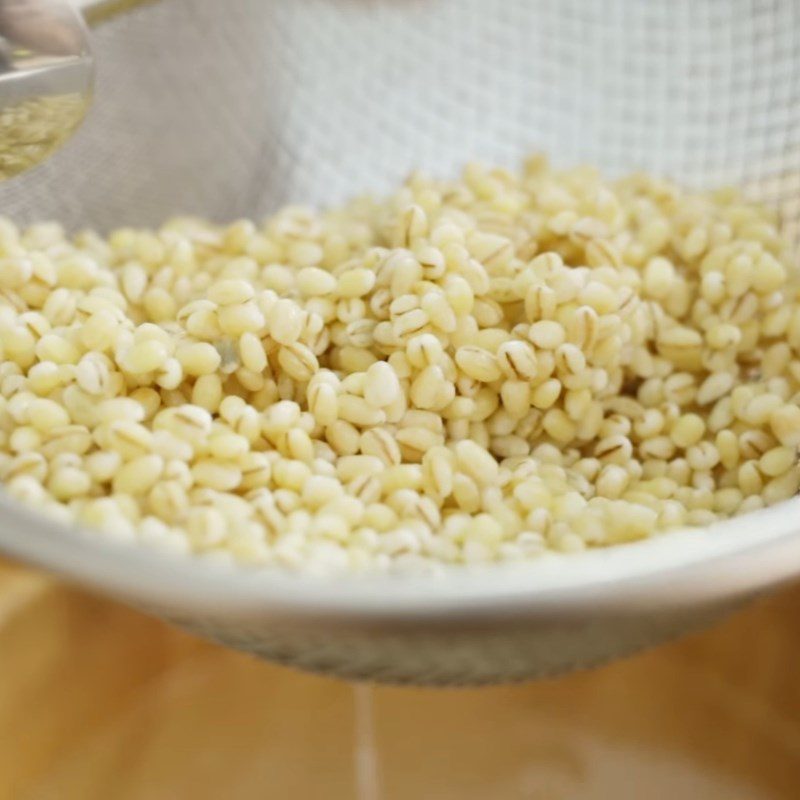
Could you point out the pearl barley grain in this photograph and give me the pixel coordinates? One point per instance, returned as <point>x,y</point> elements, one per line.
<point>381,386</point>
<point>469,371</point>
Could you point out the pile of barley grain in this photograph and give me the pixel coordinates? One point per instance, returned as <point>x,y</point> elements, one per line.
<point>469,371</point>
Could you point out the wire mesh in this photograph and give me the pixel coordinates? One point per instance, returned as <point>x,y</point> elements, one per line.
<point>231,109</point>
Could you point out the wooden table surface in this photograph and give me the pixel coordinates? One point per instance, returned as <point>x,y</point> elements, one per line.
<point>98,702</point>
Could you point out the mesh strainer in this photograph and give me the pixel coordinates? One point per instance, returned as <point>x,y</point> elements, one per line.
<point>232,108</point>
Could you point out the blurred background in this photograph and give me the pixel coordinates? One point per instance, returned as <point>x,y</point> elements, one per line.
<point>100,702</point>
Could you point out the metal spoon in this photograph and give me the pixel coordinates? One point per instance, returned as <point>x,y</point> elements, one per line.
<point>46,76</point>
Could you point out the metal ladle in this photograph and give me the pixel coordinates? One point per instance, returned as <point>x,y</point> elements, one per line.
<point>46,76</point>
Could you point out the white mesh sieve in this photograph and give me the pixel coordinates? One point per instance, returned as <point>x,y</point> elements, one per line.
<point>232,107</point>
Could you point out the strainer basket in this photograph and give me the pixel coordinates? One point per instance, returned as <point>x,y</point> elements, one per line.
<point>231,109</point>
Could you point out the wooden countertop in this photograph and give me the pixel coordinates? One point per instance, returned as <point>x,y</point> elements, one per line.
<point>100,702</point>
